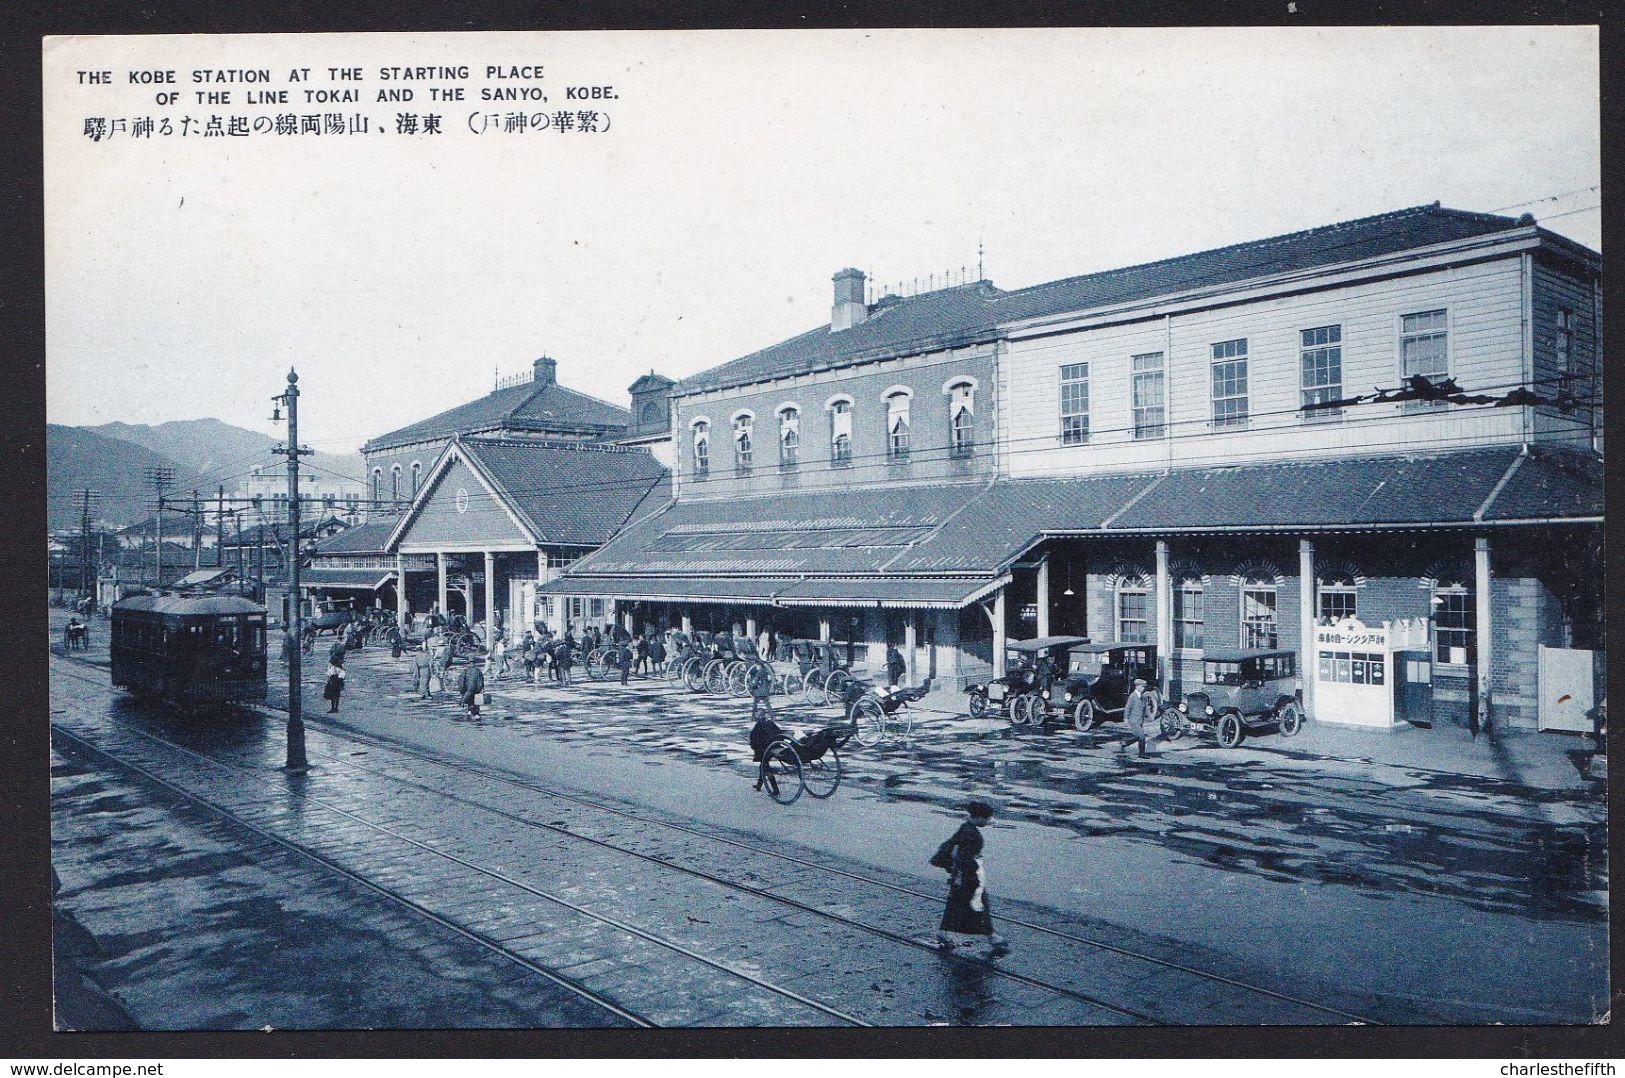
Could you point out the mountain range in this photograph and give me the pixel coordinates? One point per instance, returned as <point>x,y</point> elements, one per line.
<point>113,458</point>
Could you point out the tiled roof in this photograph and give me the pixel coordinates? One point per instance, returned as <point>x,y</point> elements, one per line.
<point>1347,241</point>
<point>857,531</point>
<point>957,315</point>
<point>370,579</point>
<point>535,406</point>
<point>367,538</point>
<point>931,320</point>
<point>572,495</point>
<point>750,589</point>
<point>973,533</point>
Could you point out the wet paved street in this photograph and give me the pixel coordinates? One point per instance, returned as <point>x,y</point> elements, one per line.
<point>1270,830</point>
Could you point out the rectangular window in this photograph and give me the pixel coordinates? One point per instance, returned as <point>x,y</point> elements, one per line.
<point>1074,403</point>
<point>1336,602</point>
<point>1230,383</point>
<point>1565,340</point>
<point>897,426</point>
<point>1148,394</point>
<point>1189,600</point>
<point>1321,370</point>
<point>1258,627</point>
<point>962,420</point>
<point>1133,615</point>
<point>1454,622</point>
<point>1424,344</point>
<point>597,608</point>
<point>840,434</point>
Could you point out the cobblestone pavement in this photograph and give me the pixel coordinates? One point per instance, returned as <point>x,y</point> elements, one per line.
<point>1336,842</point>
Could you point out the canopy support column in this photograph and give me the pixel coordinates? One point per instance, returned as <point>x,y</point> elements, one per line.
<point>440,569</point>
<point>1165,620</point>
<point>1043,596</point>
<point>490,598</point>
<point>400,590</point>
<point>998,633</point>
<point>1483,632</point>
<point>910,643</point>
<point>1306,620</point>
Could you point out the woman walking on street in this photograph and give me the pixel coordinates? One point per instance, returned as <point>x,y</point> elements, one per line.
<point>967,920</point>
<point>470,685</point>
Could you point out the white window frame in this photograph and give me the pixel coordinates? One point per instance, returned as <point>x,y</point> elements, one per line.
<point>789,435</point>
<point>1340,585</point>
<point>897,448</point>
<point>1262,584</point>
<point>1147,432</point>
<point>744,423</point>
<point>1215,361</point>
<point>699,433</point>
<point>1563,341</point>
<point>1182,589</point>
<point>1449,342</point>
<point>417,477</point>
<point>838,458</point>
<point>1328,390</point>
<point>1444,592</point>
<point>1069,434</point>
<point>1133,584</point>
<point>961,435</point>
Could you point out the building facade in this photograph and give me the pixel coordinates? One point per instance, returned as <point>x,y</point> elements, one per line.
<point>1192,453</point>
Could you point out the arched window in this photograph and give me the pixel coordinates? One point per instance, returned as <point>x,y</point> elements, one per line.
<point>417,476</point>
<point>1190,598</point>
<point>649,414</point>
<point>961,419</point>
<point>1133,609</point>
<point>1455,624</point>
<point>789,436</point>
<point>395,482</point>
<point>1259,628</point>
<point>1336,599</point>
<point>377,484</point>
<point>744,426</point>
<point>702,447</point>
<point>840,434</point>
<point>897,425</point>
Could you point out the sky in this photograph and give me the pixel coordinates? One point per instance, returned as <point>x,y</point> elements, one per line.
<point>740,170</point>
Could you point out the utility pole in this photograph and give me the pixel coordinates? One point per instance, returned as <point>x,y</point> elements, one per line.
<point>296,620</point>
<point>220,529</point>
<point>197,533</point>
<point>87,498</point>
<point>160,478</point>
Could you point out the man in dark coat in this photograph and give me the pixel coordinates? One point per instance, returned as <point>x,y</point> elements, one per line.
<point>895,666</point>
<point>470,686</point>
<point>967,920</point>
<point>564,658</point>
<point>623,660</point>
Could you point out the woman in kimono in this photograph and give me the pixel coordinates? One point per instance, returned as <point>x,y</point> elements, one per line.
<point>967,921</point>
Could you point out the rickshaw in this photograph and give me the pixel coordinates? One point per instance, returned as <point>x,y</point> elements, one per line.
<point>1097,688</point>
<point>1242,689</point>
<point>1022,659</point>
<point>824,673</point>
<point>811,763</point>
<point>877,712</point>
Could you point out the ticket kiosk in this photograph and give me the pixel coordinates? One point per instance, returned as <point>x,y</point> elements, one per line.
<point>1357,674</point>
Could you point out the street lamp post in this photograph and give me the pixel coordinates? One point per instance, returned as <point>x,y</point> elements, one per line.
<point>296,621</point>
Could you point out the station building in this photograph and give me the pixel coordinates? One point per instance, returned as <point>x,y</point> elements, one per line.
<point>1128,455</point>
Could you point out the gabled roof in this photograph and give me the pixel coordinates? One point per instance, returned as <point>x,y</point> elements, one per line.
<point>650,381</point>
<point>541,407</point>
<point>559,493</point>
<point>974,312</point>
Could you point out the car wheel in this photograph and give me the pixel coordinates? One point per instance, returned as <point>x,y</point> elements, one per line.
<point>1018,710</point>
<point>1291,716</point>
<point>1172,723</point>
<point>978,704</point>
<point>1083,715</point>
<point>1230,732</point>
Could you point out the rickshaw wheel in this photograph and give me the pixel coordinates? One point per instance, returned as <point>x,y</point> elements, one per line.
<point>784,767</point>
<point>823,775</point>
<point>835,686</point>
<point>738,681</point>
<point>694,676</point>
<point>1083,715</point>
<point>1171,721</point>
<point>869,719</point>
<point>1291,716</point>
<point>794,685</point>
<point>900,723</point>
<point>716,676</point>
<point>1230,732</point>
<point>978,704</point>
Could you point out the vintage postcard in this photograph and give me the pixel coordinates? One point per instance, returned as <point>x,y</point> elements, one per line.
<point>1065,527</point>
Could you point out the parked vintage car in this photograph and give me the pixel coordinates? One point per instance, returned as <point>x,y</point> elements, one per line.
<point>1099,684</point>
<point>1241,690</point>
<point>1021,661</point>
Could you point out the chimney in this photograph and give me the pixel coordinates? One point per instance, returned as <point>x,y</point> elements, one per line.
<point>849,308</point>
<point>545,371</point>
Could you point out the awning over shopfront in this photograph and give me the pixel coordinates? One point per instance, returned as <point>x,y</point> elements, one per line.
<point>359,579</point>
<point>949,545</point>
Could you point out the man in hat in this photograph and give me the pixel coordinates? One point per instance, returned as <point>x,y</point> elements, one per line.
<point>470,684</point>
<point>1140,716</point>
<point>967,920</point>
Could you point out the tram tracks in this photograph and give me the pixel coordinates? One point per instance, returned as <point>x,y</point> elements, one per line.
<point>1251,1003</point>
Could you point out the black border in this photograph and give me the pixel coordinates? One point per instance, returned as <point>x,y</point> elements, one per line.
<point>25,959</point>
